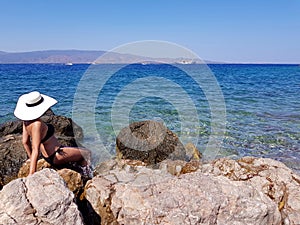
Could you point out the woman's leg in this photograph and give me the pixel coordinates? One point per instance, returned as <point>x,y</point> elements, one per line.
<point>72,154</point>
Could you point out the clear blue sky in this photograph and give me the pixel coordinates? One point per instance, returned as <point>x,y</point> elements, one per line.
<point>221,30</point>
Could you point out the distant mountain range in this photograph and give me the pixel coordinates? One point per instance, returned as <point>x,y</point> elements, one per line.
<point>84,56</point>
<point>50,56</point>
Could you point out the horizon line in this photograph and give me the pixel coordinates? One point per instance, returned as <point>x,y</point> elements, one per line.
<point>208,61</point>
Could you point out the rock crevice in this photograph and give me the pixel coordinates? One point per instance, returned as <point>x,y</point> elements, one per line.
<point>132,189</point>
<point>41,198</point>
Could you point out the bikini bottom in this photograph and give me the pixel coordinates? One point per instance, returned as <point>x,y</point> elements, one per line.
<point>50,159</point>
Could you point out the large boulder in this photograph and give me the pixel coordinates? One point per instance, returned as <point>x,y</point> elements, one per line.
<point>245,191</point>
<point>75,182</point>
<point>12,153</point>
<point>72,178</point>
<point>150,142</point>
<point>270,177</point>
<point>135,194</point>
<point>12,156</point>
<point>24,170</point>
<point>66,130</point>
<point>11,127</point>
<point>41,198</point>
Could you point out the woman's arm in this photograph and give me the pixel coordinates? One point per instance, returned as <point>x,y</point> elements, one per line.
<point>26,141</point>
<point>35,145</point>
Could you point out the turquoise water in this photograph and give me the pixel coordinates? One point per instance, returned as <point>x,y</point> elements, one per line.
<point>262,102</point>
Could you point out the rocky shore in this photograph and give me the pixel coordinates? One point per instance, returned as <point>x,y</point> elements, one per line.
<point>12,154</point>
<point>164,184</point>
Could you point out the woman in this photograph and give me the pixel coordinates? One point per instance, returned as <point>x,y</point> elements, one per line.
<point>38,137</point>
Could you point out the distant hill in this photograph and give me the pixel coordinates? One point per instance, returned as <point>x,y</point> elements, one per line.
<point>50,56</point>
<point>84,56</point>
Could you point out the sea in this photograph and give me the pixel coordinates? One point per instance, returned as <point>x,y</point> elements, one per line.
<point>239,109</point>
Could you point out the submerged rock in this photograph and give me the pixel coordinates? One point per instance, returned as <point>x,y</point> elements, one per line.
<point>192,153</point>
<point>41,198</point>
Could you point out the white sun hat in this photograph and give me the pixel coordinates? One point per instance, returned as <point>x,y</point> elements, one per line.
<point>33,105</point>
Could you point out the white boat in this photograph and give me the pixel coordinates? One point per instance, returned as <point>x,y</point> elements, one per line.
<point>69,64</point>
<point>186,62</point>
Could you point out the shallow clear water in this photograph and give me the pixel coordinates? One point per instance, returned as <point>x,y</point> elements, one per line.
<point>262,103</point>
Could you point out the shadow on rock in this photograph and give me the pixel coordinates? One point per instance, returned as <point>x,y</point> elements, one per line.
<point>12,153</point>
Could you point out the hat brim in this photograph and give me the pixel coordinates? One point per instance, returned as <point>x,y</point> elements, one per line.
<point>23,112</point>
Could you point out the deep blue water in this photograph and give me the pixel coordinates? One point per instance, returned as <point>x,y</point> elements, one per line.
<point>262,102</point>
